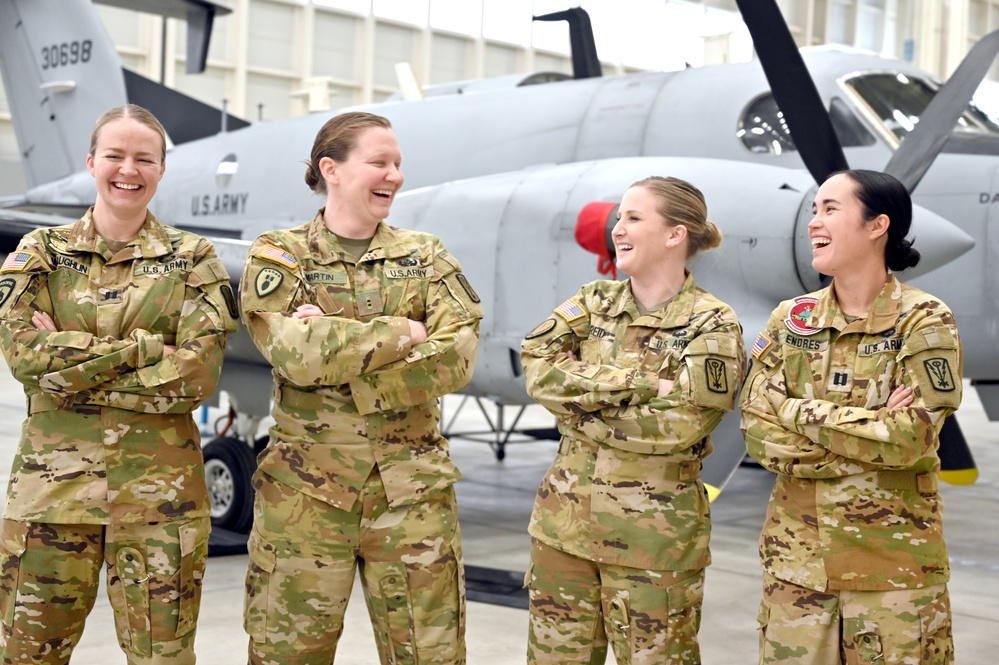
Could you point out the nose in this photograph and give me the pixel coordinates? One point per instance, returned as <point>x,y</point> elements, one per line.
<point>395,174</point>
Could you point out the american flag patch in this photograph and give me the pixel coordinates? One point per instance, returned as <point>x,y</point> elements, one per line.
<point>762,344</point>
<point>278,255</point>
<point>16,261</point>
<point>570,310</point>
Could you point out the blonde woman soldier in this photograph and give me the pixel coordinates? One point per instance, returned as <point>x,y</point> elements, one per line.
<point>366,326</point>
<point>116,326</point>
<point>637,374</point>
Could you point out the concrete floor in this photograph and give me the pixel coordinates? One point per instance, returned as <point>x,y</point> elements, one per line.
<point>495,500</point>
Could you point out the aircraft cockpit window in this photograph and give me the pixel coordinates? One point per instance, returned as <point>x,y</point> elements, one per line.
<point>898,100</point>
<point>226,170</point>
<point>763,129</point>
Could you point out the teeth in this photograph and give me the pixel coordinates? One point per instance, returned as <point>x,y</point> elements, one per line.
<point>818,242</point>
<point>622,248</point>
<point>121,185</point>
<point>383,192</point>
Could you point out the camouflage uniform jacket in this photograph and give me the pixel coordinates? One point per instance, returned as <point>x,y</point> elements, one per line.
<point>351,389</point>
<point>625,488</point>
<point>855,504</point>
<point>109,436</point>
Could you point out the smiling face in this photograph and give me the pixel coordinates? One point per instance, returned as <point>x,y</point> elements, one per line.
<point>842,240</point>
<point>127,164</point>
<point>643,238</point>
<point>361,188</point>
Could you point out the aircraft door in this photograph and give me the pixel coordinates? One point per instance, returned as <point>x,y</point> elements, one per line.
<point>618,117</point>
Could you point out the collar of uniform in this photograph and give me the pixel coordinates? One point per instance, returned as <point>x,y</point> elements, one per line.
<point>325,249</point>
<point>882,315</point>
<point>151,241</point>
<point>678,310</point>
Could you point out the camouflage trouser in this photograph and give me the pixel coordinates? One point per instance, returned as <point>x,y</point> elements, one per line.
<point>649,616</point>
<point>49,576</point>
<point>806,627</point>
<point>303,557</point>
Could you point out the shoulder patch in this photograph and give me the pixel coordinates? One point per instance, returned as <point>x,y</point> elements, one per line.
<point>230,301</point>
<point>267,281</point>
<point>801,311</point>
<point>546,327</point>
<point>940,375</point>
<point>571,310</point>
<point>7,285</point>
<point>762,345</point>
<point>714,369</point>
<point>278,255</point>
<point>16,261</point>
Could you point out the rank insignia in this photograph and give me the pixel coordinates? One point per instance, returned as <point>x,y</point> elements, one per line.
<point>797,319</point>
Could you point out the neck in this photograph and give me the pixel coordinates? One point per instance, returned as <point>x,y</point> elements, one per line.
<point>856,292</point>
<point>346,227</point>
<point>112,226</point>
<point>650,291</point>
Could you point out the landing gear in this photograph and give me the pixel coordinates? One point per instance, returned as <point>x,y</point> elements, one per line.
<point>229,465</point>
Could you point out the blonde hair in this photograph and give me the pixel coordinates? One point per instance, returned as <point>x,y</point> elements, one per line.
<point>680,203</point>
<point>336,140</point>
<point>135,112</point>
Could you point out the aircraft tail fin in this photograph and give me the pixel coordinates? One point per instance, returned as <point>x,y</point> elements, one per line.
<point>61,72</point>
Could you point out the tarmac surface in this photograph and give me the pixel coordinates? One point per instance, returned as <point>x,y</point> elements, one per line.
<point>495,500</point>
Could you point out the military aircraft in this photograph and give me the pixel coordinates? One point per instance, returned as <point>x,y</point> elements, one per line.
<point>519,177</point>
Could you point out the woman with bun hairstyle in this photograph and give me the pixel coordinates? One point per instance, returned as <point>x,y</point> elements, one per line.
<point>849,389</point>
<point>365,325</point>
<point>638,373</point>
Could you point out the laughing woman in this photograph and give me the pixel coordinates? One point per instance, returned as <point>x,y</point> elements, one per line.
<point>638,373</point>
<point>848,392</point>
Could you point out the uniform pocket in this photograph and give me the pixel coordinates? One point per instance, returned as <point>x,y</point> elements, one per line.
<point>936,638</point>
<point>193,556</point>
<point>130,600</point>
<point>13,543</point>
<point>256,602</point>
<point>862,642</point>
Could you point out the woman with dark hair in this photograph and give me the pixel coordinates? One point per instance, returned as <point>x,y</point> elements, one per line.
<point>845,401</point>
<point>638,373</point>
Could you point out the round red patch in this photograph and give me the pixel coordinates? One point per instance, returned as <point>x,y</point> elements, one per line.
<point>801,311</point>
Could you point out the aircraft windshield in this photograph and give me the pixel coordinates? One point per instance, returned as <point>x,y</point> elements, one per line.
<point>898,101</point>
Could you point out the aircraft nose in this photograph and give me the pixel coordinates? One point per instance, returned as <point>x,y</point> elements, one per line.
<point>937,240</point>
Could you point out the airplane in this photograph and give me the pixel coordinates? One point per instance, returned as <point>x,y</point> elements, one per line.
<point>520,175</point>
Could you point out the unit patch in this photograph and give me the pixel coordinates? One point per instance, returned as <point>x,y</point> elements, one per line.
<point>717,378</point>
<point>267,281</point>
<point>940,375</point>
<point>7,285</point>
<point>801,311</point>
<point>570,310</point>
<point>762,345</point>
<point>278,255</point>
<point>545,327</point>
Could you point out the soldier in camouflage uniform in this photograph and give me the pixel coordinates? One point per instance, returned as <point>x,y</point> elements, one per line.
<point>366,326</point>
<point>848,392</point>
<point>116,327</point>
<point>637,374</point>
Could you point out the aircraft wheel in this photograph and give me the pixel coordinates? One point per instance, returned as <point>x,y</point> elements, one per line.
<point>229,465</point>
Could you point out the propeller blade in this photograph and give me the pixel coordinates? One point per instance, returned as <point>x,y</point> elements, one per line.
<point>585,63</point>
<point>957,466</point>
<point>793,88</point>
<point>922,145</point>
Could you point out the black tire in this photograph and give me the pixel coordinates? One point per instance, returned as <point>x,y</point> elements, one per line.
<point>229,466</point>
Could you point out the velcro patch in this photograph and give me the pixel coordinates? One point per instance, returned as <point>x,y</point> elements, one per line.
<point>940,375</point>
<point>571,310</point>
<point>16,261</point>
<point>544,328</point>
<point>468,287</point>
<point>762,345</point>
<point>278,255</point>
<point>267,281</point>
